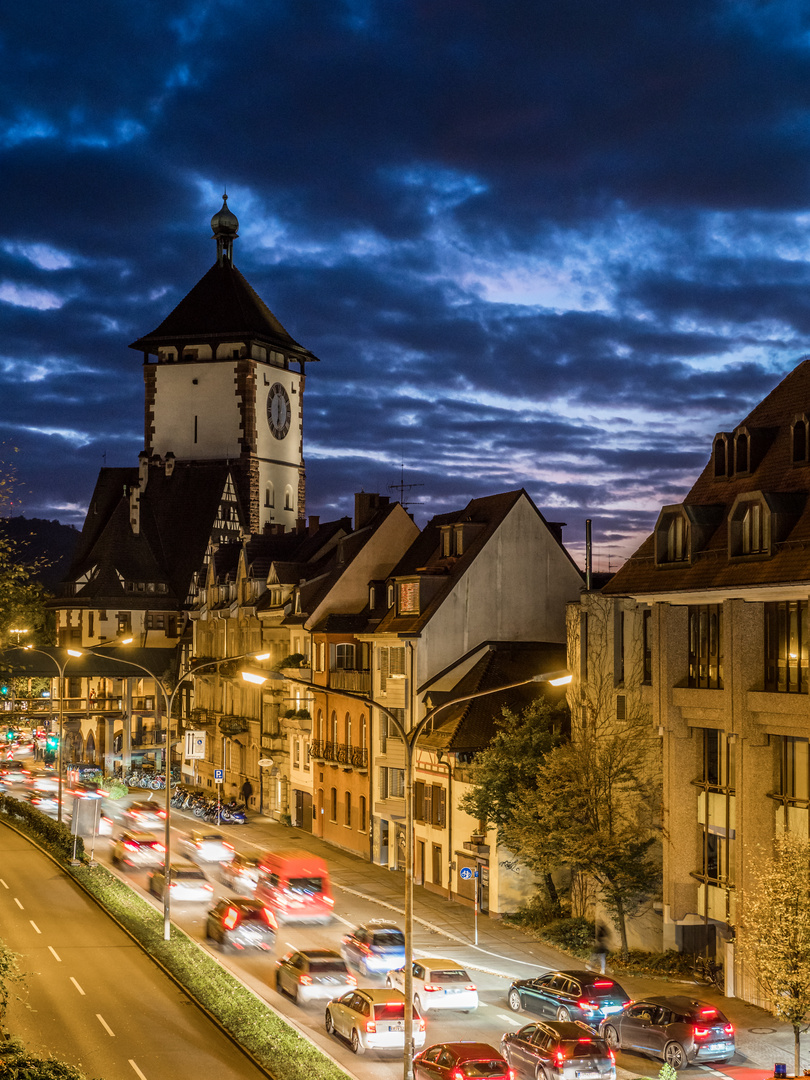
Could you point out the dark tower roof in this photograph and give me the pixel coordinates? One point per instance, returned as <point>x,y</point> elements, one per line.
<point>222,306</point>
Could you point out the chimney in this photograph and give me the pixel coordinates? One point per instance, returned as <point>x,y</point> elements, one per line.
<point>314,523</point>
<point>300,525</point>
<point>169,462</point>
<point>366,505</point>
<point>556,528</point>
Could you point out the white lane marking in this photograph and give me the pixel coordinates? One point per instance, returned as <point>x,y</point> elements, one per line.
<point>511,1019</point>
<point>105,1025</point>
<point>19,905</point>
<point>77,986</point>
<point>35,926</point>
<point>3,883</point>
<point>344,921</point>
<point>56,955</point>
<point>137,1070</point>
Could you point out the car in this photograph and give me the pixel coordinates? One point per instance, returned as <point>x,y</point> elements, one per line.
<point>240,874</point>
<point>461,1061</point>
<point>13,771</point>
<point>373,1019</point>
<point>45,801</point>
<point>241,923</point>
<point>203,845</point>
<point>43,780</point>
<point>569,995</point>
<point>680,1030</point>
<point>374,946</point>
<point>134,850</point>
<point>438,984</point>
<point>144,814</point>
<point>313,974</point>
<point>558,1050</point>
<point>188,883</point>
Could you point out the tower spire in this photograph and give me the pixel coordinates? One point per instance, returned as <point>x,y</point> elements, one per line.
<point>225,227</point>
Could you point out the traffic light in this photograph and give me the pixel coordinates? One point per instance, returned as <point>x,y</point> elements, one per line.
<point>51,742</point>
<point>9,735</point>
<point>4,690</point>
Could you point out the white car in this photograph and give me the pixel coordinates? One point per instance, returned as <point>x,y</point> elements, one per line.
<point>438,984</point>
<point>188,883</point>
<point>205,846</point>
<point>372,1019</point>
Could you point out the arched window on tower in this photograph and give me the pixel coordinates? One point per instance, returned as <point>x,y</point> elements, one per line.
<point>269,499</point>
<point>288,499</point>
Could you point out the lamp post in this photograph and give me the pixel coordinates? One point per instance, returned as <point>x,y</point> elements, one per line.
<point>410,739</point>
<point>168,701</point>
<point>61,669</point>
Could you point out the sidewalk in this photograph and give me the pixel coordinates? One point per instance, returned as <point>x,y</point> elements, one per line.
<point>762,1040</point>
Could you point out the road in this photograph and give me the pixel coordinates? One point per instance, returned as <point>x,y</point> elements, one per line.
<point>93,998</point>
<point>490,970</point>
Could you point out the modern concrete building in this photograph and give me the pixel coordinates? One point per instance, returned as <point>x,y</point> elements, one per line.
<point>715,604</point>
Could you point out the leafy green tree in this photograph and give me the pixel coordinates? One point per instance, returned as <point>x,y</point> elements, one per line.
<point>17,1063</point>
<point>22,597</point>
<point>504,784</point>
<point>9,974</point>
<point>774,940</point>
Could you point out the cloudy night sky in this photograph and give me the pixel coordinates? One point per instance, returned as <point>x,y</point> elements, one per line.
<point>552,244</point>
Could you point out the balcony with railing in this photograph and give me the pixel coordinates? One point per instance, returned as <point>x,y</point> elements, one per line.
<point>355,757</point>
<point>356,680</point>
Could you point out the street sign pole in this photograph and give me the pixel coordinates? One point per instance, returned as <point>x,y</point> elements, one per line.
<point>218,776</point>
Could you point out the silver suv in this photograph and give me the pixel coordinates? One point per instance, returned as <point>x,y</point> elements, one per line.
<point>136,850</point>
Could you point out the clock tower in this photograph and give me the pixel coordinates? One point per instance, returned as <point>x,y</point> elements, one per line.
<point>225,382</point>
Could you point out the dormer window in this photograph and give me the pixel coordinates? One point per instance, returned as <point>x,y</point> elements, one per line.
<point>742,451</point>
<point>721,455</point>
<point>390,596</point>
<point>372,597</point>
<point>408,598</point>
<point>799,442</point>
<point>672,537</point>
<point>749,526</point>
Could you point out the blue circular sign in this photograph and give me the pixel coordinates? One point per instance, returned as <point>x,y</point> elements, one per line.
<point>465,873</point>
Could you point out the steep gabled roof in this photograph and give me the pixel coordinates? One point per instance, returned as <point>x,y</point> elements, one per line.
<point>177,514</point>
<point>424,557</point>
<point>712,497</point>
<point>222,306</point>
<point>470,726</point>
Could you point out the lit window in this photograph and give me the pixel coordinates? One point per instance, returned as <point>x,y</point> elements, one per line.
<point>409,598</point>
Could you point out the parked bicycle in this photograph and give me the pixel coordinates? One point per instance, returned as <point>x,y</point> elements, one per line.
<point>707,971</point>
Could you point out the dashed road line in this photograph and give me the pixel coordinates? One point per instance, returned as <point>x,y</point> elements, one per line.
<point>510,1019</point>
<point>35,926</point>
<point>105,1025</point>
<point>137,1070</point>
<point>3,883</point>
<point>77,986</point>
<point>19,904</point>
<point>56,955</point>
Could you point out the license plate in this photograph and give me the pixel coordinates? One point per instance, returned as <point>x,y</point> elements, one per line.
<point>588,1075</point>
<point>396,1027</point>
<point>714,1047</point>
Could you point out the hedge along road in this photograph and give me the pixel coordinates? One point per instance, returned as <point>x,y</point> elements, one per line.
<point>96,1000</point>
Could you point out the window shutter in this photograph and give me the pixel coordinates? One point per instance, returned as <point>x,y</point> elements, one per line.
<point>419,800</point>
<point>384,657</point>
<point>440,805</point>
<point>398,661</point>
<point>427,812</point>
<point>621,707</point>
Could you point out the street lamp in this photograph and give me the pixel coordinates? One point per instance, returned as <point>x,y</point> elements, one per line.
<point>168,701</point>
<point>61,669</point>
<point>410,739</point>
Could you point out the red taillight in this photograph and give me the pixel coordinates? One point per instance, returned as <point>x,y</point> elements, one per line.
<point>421,1023</point>
<point>470,986</point>
<point>371,1025</point>
<point>559,1057</point>
<point>230,919</point>
<point>208,888</point>
<point>269,918</point>
<point>228,846</point>
<point>457,1074</point>
<point>161,813</point>
<point>328,900</point>
<point>156,846</point>
<point>611,1055</point>
<point>134,813</point>
<point>588,1006</point>
<point>709,1014</point>
<point>350,979</point>
<point>729,1029</point>
<point>603,982</point>
<point>702,1033</point>
<point>305,980</point>
<point>430,988</point>
<point>512,1074</point>
<point>130,846</point>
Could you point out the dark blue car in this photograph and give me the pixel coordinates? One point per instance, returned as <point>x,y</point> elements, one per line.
<point>569,995</point>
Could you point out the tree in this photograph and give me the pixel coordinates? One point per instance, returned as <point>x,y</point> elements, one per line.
<point>504,780</point>
<point>775,932</point>
<point>600,792</point>
<point>22,597</point>
<point>9,973</point>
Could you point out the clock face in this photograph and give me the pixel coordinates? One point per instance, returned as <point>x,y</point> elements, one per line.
<point>278,411</point>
